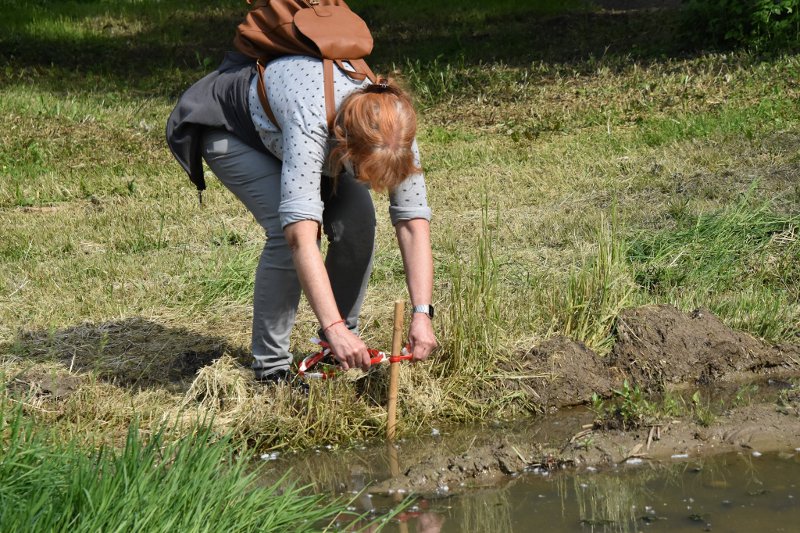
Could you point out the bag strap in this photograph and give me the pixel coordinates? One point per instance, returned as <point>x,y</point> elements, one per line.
<point>262,94</point>
<point>362,69</point>
<point>330,104</point>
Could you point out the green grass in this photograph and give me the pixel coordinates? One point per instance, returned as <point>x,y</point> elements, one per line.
<point>741,261</point>
<point>578,161</point>
<point>196,483</point>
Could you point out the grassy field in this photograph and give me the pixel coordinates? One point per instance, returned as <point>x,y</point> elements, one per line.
<point>579,160</point>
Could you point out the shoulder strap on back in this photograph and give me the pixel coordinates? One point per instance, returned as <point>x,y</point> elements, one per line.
<point>362,71</point>
<point>262,95</point>
<point>330,104</point>
<point>362,68</point>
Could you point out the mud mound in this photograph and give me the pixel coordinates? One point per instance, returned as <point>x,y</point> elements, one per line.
<point>567,373</point>
<point>656,346</point>
<point>659,345</point>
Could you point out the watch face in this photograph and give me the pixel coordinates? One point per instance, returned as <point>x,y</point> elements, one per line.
<point>427,309</point>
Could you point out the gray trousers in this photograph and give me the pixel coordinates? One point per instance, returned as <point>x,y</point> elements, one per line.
<point>348,223</point>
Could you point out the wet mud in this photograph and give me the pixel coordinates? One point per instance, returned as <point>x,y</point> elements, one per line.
<point>578,444</point>
<point>658,349</point>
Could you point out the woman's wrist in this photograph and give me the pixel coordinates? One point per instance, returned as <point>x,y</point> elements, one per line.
<point>332,324</point>
<point>336,329</point>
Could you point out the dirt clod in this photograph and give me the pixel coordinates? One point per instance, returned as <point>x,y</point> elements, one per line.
<point>479,466</point>
<point>40,384</point>
<point>568,373</point>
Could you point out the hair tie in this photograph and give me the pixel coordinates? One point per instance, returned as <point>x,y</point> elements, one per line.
<point>380,86</point>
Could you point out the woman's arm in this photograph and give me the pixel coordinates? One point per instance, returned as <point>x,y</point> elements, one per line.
<point>347,347</point>
<point>414,239</point>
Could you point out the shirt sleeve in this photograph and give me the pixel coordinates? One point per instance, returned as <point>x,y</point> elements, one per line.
<point>304,153</point>
<point>409,199</point>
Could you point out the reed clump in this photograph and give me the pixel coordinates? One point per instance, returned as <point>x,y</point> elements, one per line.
<point>198,482</point>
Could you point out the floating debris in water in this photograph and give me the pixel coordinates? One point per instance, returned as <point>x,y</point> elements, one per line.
<point>680,456</point>
<point>270,456</point>
<point>634,461</point>
<point>756,454</point>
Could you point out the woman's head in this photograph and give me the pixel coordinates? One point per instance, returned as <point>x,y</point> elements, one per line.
<point>374,130</point>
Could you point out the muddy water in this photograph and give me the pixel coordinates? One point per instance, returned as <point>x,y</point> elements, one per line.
<point>744,491</point>
<point>733,493</point>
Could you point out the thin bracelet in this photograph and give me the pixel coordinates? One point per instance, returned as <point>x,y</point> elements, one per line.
<point>340,321</point>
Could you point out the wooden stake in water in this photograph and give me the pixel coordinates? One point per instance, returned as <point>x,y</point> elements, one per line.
<point>394,368</point>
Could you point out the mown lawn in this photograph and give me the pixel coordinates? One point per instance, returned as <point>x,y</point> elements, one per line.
<point>579,160</point>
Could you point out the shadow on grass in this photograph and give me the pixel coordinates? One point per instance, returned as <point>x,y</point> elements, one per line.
<point>134,352</point>
<point>160,50</point>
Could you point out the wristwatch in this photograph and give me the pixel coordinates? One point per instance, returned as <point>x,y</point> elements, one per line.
<point>427,309</point>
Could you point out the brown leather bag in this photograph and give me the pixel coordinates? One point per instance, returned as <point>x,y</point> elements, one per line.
<point>327,29</point>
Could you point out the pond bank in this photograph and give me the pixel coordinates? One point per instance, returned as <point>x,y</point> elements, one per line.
<point>572,440</point>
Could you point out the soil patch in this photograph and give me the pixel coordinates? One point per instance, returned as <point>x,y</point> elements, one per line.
<point>480,466</point>
<point>39,383</point>
<point>659,345</point>
<point>567,373</point>
<point>656,347</point>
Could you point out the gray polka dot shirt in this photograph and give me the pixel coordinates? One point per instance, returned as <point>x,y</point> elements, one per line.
<point>295,92</point>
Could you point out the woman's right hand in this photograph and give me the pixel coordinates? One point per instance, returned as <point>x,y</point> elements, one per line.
<point>348,348</point>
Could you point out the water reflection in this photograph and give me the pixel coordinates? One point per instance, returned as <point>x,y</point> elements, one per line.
<point>735,492</point>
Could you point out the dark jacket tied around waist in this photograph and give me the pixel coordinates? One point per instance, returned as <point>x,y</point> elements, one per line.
<point>218,100</point>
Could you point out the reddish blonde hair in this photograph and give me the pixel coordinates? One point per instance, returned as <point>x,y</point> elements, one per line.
<point>374,130</point>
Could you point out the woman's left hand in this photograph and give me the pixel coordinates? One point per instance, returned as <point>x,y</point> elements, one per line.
<point>421,336</point>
